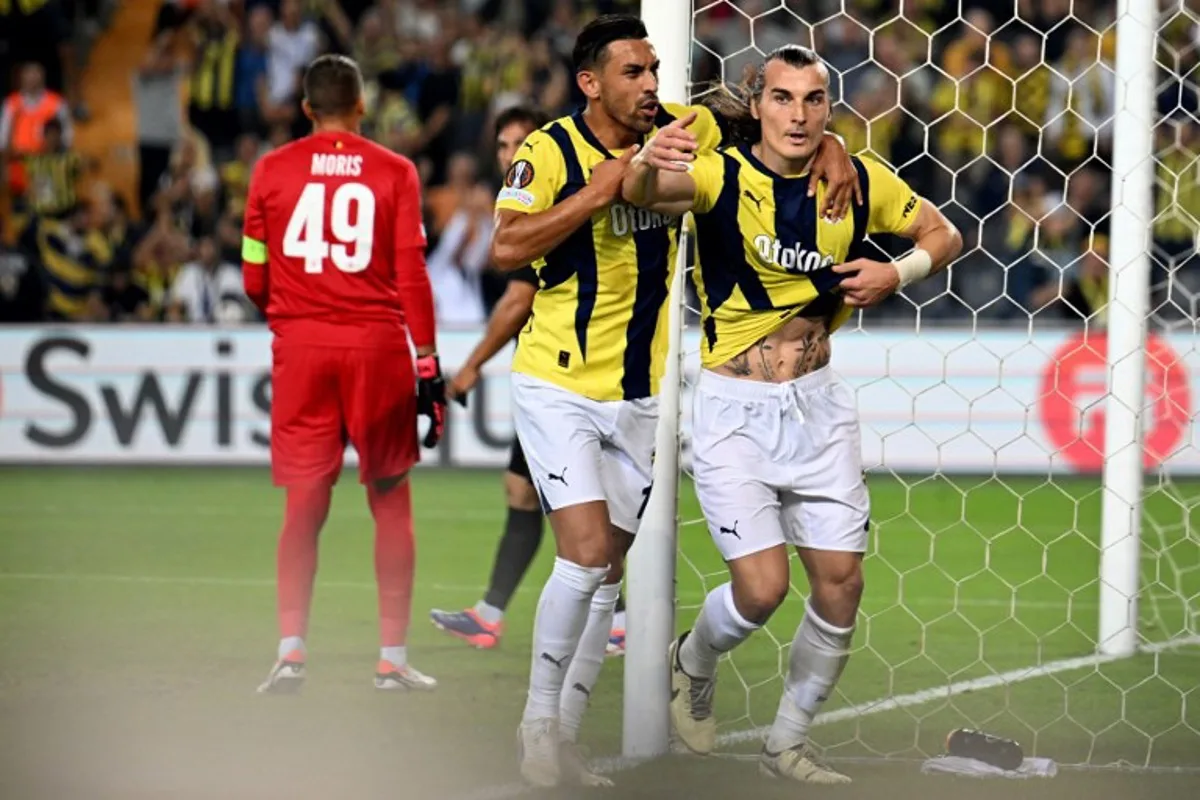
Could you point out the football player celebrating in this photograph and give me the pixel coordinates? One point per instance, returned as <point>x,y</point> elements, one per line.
<point>776,445</point>
<point>587,368</point>
<point>483,625</point>
<point>333,254</point>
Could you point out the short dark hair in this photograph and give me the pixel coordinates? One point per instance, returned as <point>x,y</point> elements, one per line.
<point>597,35</point>
<point>525,115</point>
<point>332,85</point>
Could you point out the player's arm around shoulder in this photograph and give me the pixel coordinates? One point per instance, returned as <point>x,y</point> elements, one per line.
<point>895,208</point>
<point>529,220</point>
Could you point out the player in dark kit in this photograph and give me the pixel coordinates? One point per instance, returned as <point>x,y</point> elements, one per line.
<point>333,254</point>
<point>482,625</point>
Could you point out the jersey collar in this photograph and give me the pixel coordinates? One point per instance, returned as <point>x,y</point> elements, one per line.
<point>748,154</point>
<point>589,137</point>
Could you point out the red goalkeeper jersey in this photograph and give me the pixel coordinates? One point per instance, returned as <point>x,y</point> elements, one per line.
<point>333,249</point>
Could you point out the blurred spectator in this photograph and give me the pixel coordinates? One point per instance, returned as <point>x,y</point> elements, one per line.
<point>375,47</point>
<point>207,290</point>
<point>457,263</point>
<point>976,45</point>
<point>416,18</point>
<point>23,121</point>
<point>21,293</point>
<point>973,97</point>
<point>72,256</point>
<point>1080,109</point>
<point>123,300</point>
<point>1177,189</point>
<point>1080,292</point>
<point>549,79</point>
<point>438,97</point>
<point>445,200</point>
<point>211,108</point>
<point>235,174</point>
<point>874,119</point>
<point>1033,84</point>
<point>157,88</point>
<point>250,81</point>
<point>40,31</point>
<point>52,177</point>
<point>159,253</point>
<point>291,44</point>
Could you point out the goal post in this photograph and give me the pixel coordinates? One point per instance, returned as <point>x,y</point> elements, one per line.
<point>1128,318</point>
<point>650,573</point>
<point>1033,567</point>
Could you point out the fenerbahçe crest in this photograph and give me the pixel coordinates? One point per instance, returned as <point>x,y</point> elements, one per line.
<point>519,176</point>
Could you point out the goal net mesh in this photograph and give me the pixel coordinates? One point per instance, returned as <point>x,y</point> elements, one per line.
<point>980,391</point>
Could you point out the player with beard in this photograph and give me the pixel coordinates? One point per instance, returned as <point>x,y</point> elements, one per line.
<point>587,369</point>
<point>482,625</point>
<point>777,454</point>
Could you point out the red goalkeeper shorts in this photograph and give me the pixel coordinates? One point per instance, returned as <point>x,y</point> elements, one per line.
<point>322,397</point>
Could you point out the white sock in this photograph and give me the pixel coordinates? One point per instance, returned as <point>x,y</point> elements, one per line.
<point>719,629</point>
<point>589,657</point>
<point>562,613</point>
<point>488,613</point>
<point>819,654</point>
<point>618,620</point>
<point>290,643</point>
<point>396,655</point>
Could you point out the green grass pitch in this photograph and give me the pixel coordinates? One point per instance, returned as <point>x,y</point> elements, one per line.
<point>137,617</point>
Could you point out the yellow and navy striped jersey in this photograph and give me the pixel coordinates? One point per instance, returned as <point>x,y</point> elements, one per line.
<point>763,256</point>
<point>598,326</point>
<point>213,75</point>
<point>52,179</point>
<point>73,266</point>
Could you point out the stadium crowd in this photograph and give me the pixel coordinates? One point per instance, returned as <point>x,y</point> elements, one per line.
<point>1005,122</point>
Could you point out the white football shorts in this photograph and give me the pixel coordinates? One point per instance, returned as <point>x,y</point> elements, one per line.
<point>580,450</point>
<point>779,463</point>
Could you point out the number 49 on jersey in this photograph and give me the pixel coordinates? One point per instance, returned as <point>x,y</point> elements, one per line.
<point>351,223</point>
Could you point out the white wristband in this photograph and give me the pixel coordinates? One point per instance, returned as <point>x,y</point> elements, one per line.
<point>913,267</point>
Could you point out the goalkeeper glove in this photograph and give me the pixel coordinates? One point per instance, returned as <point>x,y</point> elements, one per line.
<point>431,397</point>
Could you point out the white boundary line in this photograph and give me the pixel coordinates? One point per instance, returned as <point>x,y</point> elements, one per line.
<point>620,763</point>
<point>209,580</point>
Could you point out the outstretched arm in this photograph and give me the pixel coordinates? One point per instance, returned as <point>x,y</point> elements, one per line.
<point>508,317</point>
<point>667,192</point>
<point>660,177</point>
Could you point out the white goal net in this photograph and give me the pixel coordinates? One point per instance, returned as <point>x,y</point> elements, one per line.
<point>981,392</point>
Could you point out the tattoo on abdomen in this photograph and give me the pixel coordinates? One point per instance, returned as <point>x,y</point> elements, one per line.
<point>813,353</point>
<point>763,349</point>
<point>740,365</point>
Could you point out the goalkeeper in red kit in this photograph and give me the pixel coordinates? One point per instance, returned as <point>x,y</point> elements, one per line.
<point>333,254</point>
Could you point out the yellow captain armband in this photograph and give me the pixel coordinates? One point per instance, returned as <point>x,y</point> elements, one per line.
<point>253,251</point>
